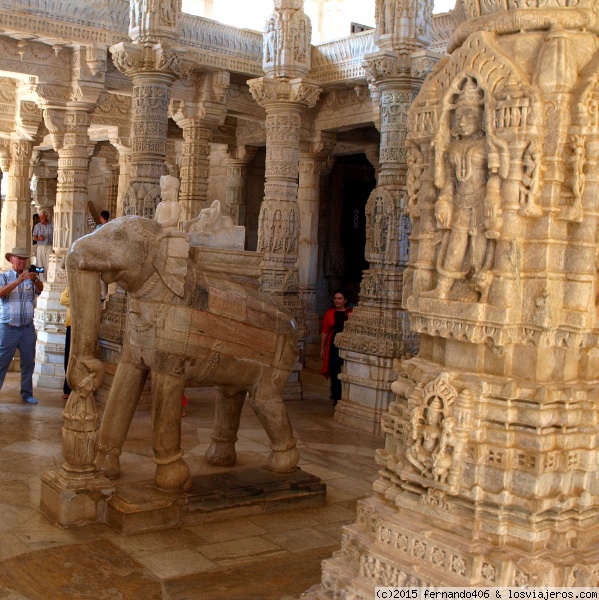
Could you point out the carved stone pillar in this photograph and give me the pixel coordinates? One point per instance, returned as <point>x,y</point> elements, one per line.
<point>374,335</point>
<point>151,96</point>
<point>237,174</point>
<point>16,208</point>
<point>378,330</point>
<point>124,177</point>
<point>195,168</point>
<point>310,162</point>
<point>153,65</point>
<point>490,445</point>
<point>44,196</point>
<point>70,223</point>
<point>197,118</point>
<point>279,222</point>
<point>326,221</point>
<point>284,94</point>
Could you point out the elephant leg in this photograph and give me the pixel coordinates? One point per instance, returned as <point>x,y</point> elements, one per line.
<point>227,415</point>
<point>270,410</point>
<point>172,472</point>
<point>124,395</point>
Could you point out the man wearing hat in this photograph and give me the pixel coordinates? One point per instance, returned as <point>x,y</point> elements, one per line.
<point>18,289</point>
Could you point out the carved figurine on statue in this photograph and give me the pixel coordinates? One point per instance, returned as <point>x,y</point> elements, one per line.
<point>168,210</point>
<point>466,209</point>
<point>214,229</point>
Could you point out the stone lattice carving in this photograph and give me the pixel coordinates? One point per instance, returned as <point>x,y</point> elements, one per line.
<point>172,305</point>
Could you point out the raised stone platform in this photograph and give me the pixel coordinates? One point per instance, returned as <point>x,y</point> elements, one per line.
<point>140,506</point>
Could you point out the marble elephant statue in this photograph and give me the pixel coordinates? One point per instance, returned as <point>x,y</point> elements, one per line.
<point>185,327</point>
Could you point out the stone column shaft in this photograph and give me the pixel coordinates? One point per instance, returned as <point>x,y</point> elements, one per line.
<point>195,168</point>
<point>70,223</point>
<point>16,209</point>
<point>307,259</point>
<point>237,174</point>
<point>151,97</point>
<point>377,332</point>
<point>70,212</point>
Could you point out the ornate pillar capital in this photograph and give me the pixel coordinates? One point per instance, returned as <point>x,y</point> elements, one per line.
<point>157,62</point>
<point>274,93</point>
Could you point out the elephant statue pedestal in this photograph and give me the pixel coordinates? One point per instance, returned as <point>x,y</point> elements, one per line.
<point>139,507</point>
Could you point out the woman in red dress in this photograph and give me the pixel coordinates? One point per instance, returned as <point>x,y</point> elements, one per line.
<point>332,324</point>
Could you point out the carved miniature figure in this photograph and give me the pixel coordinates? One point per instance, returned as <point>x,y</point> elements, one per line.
<point>301,41</point>
<point>214,229</point>
<point>460,207</point>
<point>531,182</point>
<point>432,440</point>
<point>168,210</point>
<point>277,232</point>
<point>270,42</point>
<point>184,326</point>
<point>209,219</point>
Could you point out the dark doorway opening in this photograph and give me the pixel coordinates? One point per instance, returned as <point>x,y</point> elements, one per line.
<point>352,180</point>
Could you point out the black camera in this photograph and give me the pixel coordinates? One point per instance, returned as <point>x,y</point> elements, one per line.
<point>34,269</point>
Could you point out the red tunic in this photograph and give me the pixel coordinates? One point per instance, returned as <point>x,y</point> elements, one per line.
<point>328,328</point>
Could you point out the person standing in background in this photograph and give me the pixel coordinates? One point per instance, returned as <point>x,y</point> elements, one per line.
<point>35,220</point>
<point>18,289</point>
<point>43,234</point>
<point>104,218</point>
<point>332,324</point>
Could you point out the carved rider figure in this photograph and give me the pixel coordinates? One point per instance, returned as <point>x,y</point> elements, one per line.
<point>168,210</point>
<point>460,207</point>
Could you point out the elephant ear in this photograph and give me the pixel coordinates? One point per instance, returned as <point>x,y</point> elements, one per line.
<point>171,262</point>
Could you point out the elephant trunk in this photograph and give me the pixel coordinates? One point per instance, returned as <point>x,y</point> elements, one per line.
<point>85,372</point>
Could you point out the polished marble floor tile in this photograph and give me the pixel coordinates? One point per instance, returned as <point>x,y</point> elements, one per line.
<point>259,557</point>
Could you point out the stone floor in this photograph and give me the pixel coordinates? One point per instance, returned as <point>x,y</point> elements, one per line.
<point>260,557</point>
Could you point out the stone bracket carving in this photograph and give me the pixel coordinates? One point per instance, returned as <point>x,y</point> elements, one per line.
<point>266,91</point>
<point>130,59</point>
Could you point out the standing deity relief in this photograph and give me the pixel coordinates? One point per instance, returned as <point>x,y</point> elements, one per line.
<point>470,162</point>
<point>278,230</point>
<point>286,39</point>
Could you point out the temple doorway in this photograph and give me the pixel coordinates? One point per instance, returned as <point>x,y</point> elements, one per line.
<point>344,224</point>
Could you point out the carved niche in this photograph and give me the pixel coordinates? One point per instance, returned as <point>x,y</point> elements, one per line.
<point>475,140</point>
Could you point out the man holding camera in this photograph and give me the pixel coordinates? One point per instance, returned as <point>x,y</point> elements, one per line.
<point>43,234</point>
<point>18,289</point>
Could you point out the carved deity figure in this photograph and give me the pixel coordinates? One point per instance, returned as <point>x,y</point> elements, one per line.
<point>301,42</point>
<point>270,42</point>
<point>460,207</point>
<point>277,232</point>
<point>209,219</point>
<point>433,440</point>
<point>168,210</point>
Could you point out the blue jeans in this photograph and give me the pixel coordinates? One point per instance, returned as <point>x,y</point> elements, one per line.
<point>24,339</point>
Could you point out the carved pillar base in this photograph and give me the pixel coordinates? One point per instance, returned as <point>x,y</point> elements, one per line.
<point>49,322</point>
<point>366,390</point>
<point>401,548</point>
<point>377,331</point>
<point>70,501</point>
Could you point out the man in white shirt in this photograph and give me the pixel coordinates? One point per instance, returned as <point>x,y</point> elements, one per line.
<point>43,234</point>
